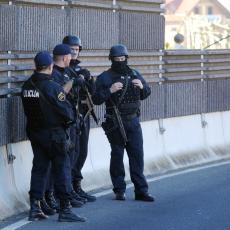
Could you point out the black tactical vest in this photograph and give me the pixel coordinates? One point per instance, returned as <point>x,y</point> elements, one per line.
<point>127,99</point>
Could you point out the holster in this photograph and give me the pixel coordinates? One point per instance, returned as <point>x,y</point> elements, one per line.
<point>61,137</point>
<point>112,132</point>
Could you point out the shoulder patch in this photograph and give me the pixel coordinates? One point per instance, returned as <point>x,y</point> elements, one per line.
<point>67,76</point>
<point>61,96</point>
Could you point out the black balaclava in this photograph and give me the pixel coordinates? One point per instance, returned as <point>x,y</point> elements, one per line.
<point>74,62</point>
<point>120,66</point>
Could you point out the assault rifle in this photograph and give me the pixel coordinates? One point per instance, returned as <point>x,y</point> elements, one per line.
<point>88,100</point>
<point>120,123</point>
<point>90,106</point>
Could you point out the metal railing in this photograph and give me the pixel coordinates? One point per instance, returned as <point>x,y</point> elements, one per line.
<point>183,82</point>
<point>130,5</point>
<point>162,66</point>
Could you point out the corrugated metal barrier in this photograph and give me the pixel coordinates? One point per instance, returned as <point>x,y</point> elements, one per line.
<point>32,25</point>
<point>182,82</point>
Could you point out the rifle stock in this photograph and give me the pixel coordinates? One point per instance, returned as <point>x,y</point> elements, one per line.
<point>90,105</point>
<point>120,124</point>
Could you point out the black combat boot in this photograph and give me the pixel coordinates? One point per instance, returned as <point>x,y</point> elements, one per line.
<point>81,192</point>
<point>35,210</point>
<point>77,197</point>
<point>46,208</point>
<point>119,196</point>
<point>76,203</point>
<point>51,201</point>
<point>144,197</point>
<point>66,215</point>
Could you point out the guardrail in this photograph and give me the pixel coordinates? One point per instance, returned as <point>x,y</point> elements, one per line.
<point>196,64</point>
<point>15,68</point>
<point>162,66</point>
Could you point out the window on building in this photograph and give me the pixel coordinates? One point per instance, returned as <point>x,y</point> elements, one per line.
<point>196,10</point>
<point>210,10</point>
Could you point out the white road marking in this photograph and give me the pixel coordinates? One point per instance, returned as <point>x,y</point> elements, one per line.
<point>157,178</point>
<point>17,224</point>
<point>23,222</point>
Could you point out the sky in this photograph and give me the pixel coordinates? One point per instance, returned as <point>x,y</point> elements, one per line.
<point>225,3</point>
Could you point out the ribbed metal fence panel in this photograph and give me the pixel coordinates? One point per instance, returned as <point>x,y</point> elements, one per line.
<point>99,111</point>
<point>166,100</point>
<point>41,28</point>
<point>12,120</point>
<point>98,29</point>
<point>4,121</point>
<point>142,31</point>
<point>182,65</point>
<point>32,28</point>
<point>18,128</point>
<point>217,63</point>
<point>178,95</point>
<point>9,28</point>
<point>153,107</point>
<point>184,98</point>
<point>218,95</point>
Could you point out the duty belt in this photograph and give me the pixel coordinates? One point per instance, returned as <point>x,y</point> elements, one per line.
<point>128,116</point>
<point>123,116</point>
<point>45,127</point>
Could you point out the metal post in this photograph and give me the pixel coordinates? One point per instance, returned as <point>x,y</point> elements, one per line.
<point>9,73</point>
<point>204,123</point>
<point>10,156</point>
<point>160,121</point>
<point>114,6</point>
<point>63,7</point>
<point>160,67</point>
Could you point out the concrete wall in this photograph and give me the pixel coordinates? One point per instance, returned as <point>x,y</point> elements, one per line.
<point>169,144</point>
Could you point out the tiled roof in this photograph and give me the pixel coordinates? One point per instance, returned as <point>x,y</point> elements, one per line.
<point>185,6</point>
<point>172,5</point>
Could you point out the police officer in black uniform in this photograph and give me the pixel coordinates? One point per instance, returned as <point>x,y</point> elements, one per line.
<point>86,86</point>
<point>121,89</point>
<point>60,74</point>
<point>49,115</point>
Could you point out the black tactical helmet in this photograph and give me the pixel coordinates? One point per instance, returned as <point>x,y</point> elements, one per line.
<point>118,50</point>
<point>179,38</point>
<point>72,40</point>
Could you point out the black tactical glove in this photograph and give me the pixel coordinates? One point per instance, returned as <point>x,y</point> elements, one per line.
<point>78,81</point>
<point>85,73</point>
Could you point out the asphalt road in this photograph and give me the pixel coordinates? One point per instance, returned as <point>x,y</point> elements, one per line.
<point>197,199</point>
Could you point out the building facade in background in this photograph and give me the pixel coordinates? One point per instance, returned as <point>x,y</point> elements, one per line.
<point>202,22</point>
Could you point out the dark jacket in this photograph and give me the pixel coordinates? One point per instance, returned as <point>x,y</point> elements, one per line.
<point>47,111</point>
<point>127,103</point>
